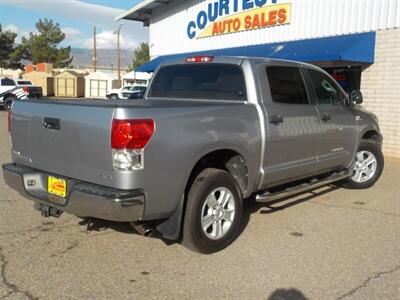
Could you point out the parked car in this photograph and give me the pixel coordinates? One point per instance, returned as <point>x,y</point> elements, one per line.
<point>11,90</point>
<point>32,90</point>
<point>137,95</point>
<point>125,92</point>
<point>211,133</point>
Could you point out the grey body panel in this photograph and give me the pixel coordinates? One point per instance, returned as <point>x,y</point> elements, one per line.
<point>338,137</point>
<point>291,146</point>
<point>80,148</point>
<point>186,130</point>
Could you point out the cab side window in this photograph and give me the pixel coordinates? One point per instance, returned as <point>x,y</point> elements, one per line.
<point>287,85</point>
<point>326,90</point>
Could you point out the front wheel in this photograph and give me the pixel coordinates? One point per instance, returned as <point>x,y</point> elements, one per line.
<point>213,212</point>
<point>8,102</point>
<point>367,167</point>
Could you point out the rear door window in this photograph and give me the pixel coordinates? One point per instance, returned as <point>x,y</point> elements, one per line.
<point>287,85</point>
<point>200,81</point>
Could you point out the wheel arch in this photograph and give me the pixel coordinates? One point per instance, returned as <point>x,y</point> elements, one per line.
<point>172,227</point>
<point>227,159</point>
<point>372,134</point>
<point>6,96</point>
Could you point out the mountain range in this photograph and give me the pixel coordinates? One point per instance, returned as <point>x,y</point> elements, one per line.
<point>105,58</point>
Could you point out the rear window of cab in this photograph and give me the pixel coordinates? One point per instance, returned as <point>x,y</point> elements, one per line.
<point>200,81</point>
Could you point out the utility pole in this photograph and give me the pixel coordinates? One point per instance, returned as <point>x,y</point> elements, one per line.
<point>119,54</point>
<point>94,50</point>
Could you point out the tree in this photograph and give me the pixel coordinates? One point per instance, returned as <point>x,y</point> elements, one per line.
<point>10,56</point>
<point>44,46</point>
<point>141,55</point>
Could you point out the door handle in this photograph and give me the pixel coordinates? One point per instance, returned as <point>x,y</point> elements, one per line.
<point>326,117</point>
<point>276,119</point>
<point>51,123</point>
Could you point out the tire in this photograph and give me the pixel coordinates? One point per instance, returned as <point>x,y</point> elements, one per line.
<point>198,213</point>
<point>368,166</point>
<point>114,97</point>
<point>8,102</point>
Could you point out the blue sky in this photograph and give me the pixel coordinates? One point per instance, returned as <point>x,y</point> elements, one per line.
<point>76,18</point>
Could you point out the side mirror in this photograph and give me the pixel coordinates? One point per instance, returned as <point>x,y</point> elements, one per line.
<point>356,97</point>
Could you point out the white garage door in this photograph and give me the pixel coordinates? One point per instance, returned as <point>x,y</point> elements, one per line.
<point>98,88</point>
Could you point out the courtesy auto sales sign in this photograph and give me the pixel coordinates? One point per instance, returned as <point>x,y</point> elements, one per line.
<point>232,16</point>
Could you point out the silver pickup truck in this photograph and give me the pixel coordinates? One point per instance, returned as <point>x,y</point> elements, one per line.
<point>211,133</point>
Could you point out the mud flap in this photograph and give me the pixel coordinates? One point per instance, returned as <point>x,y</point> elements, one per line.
<point>170,229</point>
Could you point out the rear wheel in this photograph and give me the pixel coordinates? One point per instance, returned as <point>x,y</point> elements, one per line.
<point>213,212</point>
<point>367,167</point>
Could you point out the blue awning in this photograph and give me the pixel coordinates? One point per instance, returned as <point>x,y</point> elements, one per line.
<point>357,48</point>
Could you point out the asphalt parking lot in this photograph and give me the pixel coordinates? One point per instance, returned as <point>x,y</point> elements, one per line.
<point>329,244</point>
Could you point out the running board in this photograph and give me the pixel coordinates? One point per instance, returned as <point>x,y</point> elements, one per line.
<point>313,184</point>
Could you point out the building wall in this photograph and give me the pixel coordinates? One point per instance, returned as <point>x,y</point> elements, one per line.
<point>80,87</point>
<point>44,80</point>
<point>308,19</point>
<point>75,90</point>
<point>380,87</point>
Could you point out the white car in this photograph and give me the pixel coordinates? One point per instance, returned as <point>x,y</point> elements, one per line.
<point>17,89</point>
<point>10,91</point>
<point>125,92</point>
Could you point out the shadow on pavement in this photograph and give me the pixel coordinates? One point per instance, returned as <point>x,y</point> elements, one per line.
<point>250,207</point>
<point>101,225</point>
<point>287,294</point>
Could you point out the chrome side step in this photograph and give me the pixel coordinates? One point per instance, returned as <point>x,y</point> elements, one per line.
<point>313,184</point>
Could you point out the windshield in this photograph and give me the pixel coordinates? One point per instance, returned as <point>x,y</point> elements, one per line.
<point>199,81</point>
<point>139,88</point>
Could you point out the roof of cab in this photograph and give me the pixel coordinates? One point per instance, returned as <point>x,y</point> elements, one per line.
<point>239,60</point>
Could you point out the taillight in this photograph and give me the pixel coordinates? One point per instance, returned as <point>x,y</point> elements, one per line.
<point>128,140</point>
<point>9,121</point>
<point>199,59</point>
<point>26,89</point>
<point>131,134</point>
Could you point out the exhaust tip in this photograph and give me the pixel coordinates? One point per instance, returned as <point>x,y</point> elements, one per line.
<point>142,229</point>
<point>148,232</point>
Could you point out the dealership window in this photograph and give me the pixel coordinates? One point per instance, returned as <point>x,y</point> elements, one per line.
<point>200,81</point>
<point>287,85</point>
<point>349,78</point>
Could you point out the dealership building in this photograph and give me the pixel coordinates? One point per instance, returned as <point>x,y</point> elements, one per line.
<point>356,41</point>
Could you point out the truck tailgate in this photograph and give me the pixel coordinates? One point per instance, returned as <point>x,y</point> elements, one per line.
<point>64,138</point>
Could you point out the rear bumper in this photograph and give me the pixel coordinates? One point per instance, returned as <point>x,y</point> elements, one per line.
<point>83,199</point>
<point>35,95</point>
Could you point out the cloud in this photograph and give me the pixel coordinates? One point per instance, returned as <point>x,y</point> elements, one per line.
<point>105,39</point>
<point>94,14</point>
<point>108,40</point>
<point>20,32</point>
<point>73,37</point>
<point>70,32</point>
<point>12,28</point>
